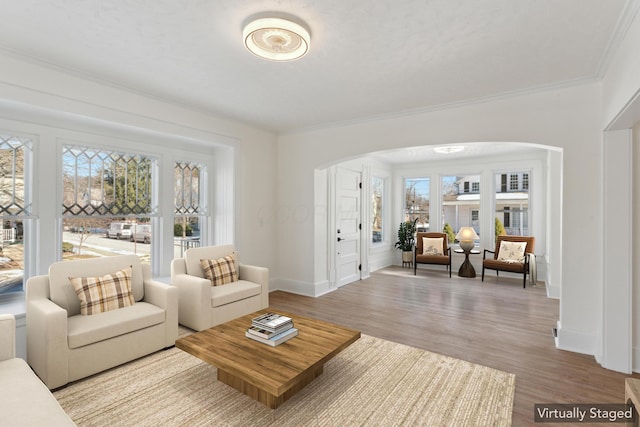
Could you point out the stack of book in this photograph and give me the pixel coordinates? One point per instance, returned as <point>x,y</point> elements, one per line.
<point>271,329</point>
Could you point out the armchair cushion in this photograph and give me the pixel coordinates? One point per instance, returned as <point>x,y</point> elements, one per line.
<point>237,291</point>
<point>511,252</point>
<point>432,246</point>
<point>85,330</point>
<point>104,293</point>
<point>220,271</point>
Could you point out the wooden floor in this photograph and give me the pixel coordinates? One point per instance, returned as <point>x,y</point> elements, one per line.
<point>496,323</point>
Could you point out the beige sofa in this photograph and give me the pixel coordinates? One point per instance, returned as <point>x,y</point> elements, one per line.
<point>202,305</point>
<point>64,346</point>
<point>25,400</point>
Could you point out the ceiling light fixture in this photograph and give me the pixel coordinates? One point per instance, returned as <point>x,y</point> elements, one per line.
<point>276,39</point>
<point>448,149</point>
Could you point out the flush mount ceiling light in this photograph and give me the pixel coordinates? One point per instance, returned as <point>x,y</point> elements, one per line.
<point>276,39</point>
<point>448,149</point>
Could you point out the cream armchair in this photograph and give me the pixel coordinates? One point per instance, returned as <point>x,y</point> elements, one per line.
<point>63,345</point>
<point>203,305</point>
<point>25,400</point>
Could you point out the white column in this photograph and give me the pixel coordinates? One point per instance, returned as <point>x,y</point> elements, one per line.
<point>617,251</point>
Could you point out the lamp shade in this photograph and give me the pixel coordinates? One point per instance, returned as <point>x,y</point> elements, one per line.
<point>276,39</point>
<point>466,233</point>
<point>466,237</point>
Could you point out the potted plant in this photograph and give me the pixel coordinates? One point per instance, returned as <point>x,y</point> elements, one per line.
<point>406,239</point>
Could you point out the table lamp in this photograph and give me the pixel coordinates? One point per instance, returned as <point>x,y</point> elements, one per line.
<point>466,237</point>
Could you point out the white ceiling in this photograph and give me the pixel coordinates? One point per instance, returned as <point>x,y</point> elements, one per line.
<point>367,59</point>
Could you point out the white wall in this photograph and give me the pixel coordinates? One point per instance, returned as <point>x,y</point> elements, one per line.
<point>34,93</point>
<point>635,278</point>
<point>621,110</point>
<point>566,118</point>
<point>621,83</point>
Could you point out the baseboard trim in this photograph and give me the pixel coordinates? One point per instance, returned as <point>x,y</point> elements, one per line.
<point>300,288</point>
<point>576,341</point>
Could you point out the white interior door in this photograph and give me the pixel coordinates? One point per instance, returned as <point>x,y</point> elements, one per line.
<point>348,226</point>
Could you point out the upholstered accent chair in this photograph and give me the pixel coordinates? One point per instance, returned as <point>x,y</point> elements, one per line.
<point>205,303</point>
<point>64,345</point>
<point>504,259</point>
<point>432,248</point>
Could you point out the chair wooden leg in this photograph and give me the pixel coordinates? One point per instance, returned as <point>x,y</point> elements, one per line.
<point>524,280</point>
<point>482,274</point>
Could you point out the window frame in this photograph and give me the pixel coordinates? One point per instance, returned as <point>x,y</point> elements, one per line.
<point>29,211</point>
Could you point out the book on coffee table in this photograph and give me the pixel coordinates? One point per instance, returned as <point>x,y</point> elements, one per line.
<point>272,322</point>
<point>276,339</point>
<point>266,333</point>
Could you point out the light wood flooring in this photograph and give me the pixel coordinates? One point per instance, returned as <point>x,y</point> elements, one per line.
<point>496,323</point>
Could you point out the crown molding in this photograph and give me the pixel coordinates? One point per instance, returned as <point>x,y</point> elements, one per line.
<point>626,18</point>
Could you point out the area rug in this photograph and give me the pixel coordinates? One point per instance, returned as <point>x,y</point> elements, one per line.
<point>373,382</point>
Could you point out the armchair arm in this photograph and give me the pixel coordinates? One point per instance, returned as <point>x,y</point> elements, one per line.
<point>194,300</point>
<point>47,349</point>
<point>484,255</point>
<point>7,336</point>
<point>258,275</point>
<point>164,296</point>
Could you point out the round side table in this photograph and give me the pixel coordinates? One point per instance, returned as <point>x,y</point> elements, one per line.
<point>466,269</point>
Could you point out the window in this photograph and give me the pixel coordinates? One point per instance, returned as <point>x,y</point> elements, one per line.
<point>513,182</point>
<point>107,197</point>
<point>416,196</point>
<point>189,202</point>
<point>15,209</point>
<point>377,199</point>
<point>512,207</point>
<point>461,209</point>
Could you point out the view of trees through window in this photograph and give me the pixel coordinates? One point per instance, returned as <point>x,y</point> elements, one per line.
<point>107,203</point>
<point>14,208</point>
<point>416,198</point>
<point>377,198</point>
<point>189,205</point>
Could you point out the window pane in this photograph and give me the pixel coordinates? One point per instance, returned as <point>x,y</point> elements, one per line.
<point>461,202</point>
<point>12,257</point>
<point>14,208</point>
<point>90,237</point>
<point>107,203</point>
<point>416,196</point>
<point>186,234</point>
<point>187,191</point>
<point>106,183</point>
<point>190,208</point>
<point>377,189</point>
<point>512,206</point>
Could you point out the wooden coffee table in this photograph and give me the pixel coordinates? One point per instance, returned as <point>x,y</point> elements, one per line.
<point>270,375</point>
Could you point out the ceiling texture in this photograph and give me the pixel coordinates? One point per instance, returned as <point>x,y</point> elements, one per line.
<point>368,59</point>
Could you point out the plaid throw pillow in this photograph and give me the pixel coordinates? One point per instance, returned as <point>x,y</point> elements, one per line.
<point>100,294</point>
<point>220,271</point>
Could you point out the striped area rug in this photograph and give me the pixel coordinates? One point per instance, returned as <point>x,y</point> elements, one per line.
<point>373,382</point>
